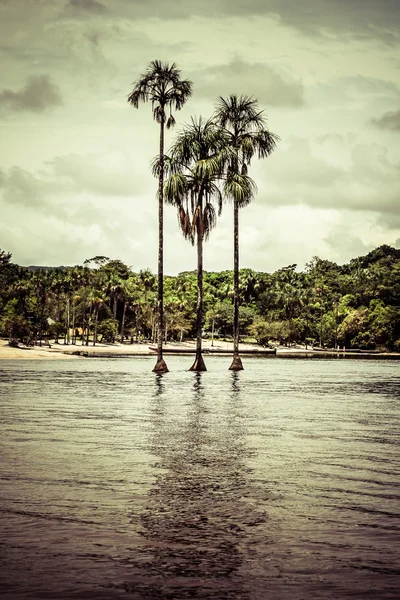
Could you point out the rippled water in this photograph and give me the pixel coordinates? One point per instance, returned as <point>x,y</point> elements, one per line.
<point>280,482</point>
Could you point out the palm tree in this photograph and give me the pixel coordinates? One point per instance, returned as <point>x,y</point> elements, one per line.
<point>131,293</point>
<point>195,165</point>
<point>246,127</point>
<point>162,86</point>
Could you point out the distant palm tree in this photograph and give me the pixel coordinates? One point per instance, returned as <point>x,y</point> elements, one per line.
<point>130,293</point>
<point>96,302</point>
<point>195,165</point>
<point>245,126</point>
<point>162,86</point>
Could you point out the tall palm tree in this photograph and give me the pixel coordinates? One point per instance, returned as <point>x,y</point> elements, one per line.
<point>97,301</point>
<point>195,165</point>
<point>246,127</point>
<point>162,86</point>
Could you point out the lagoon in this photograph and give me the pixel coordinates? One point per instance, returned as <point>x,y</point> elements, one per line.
<point>279,482</point>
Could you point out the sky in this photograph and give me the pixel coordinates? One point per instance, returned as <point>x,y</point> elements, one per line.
<point>74,155</point>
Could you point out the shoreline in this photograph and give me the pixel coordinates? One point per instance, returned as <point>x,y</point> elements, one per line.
<point>77,351</point>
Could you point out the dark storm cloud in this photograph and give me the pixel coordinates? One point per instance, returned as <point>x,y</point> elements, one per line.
<point>90,5</point>
<point>389,120</point>
<point>364,19</point>
<point>100,175</point>
<point>79,7</point>
<point>39,94</point>
<point>20,187</point>
<point>240,77</point>
<point>301,175</point>
<point>361,18</point>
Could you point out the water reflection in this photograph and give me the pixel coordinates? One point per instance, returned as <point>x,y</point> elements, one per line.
<point>113,483</point>
<point>159,384</point>
<point>235,382</point>
<point>196,518</point>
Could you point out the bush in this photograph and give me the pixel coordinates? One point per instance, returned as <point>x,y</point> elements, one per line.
<point>108,329</point>
<point>364,340</point>
<point>264,331</point>
<point>16,328</point>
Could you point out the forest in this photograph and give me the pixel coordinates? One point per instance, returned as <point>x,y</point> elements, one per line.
<point>356,305</point>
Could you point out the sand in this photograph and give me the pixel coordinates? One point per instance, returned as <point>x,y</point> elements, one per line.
<point>66,351</point>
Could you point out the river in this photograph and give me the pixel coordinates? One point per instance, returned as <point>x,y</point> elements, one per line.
<point>278,482</point>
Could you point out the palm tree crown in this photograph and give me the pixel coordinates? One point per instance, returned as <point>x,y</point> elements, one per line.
<point>161,85</point>
<point>245,126</point>
<point>195,166</point>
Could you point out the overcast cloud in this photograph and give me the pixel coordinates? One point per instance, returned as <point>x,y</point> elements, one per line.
<point>74,156</point>
<point>38,94</point>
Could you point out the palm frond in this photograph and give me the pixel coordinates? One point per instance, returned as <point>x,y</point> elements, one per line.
<point>170,122</point>
<point>159,114</point>
<point>240,188</point>
<point>175,189</point>
<point>185,224</point>
<point>209,220</point>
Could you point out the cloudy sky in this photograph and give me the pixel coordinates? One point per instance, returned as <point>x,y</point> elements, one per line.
<point>74,156</point>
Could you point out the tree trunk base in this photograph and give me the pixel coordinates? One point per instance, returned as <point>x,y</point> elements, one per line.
<point>236,364</point>
<point>160,367</point>
<point>199,364</point>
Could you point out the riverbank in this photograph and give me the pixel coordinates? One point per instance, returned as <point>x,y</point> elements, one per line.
<point>108,350</point>
<point>77,351</point>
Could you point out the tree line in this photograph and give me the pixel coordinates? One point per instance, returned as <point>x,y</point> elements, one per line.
<point>356,305</point>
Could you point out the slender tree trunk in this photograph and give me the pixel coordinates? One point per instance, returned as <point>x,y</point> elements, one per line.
<point>336,324</point>
<point>237,362</point>
<point>88,326</point>
<point>320,329</point>
<point>160,366</point>
<point>123,322</point>
<point>68,319</point>
<point>73,323</point>
<point>115,307</point>
<point>96,318</point>
<point>199,364</point>
<point>58,308</point>
<point>306,328</point>
<point>212,332</point>
<point>84,317</point>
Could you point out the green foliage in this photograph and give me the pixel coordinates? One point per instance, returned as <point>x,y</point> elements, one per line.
<point>266,332</point>
<point>355,305</point>
<point>16,328</point>
<point>57,329</point>
<point>108,330</point>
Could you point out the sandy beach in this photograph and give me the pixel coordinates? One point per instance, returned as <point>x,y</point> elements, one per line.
<point>78,352</point>
<point>71,351</point>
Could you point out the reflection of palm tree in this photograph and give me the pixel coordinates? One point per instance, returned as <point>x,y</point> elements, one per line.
<point>235,382</point>
<point>163,87</point>
<point>195,523</point>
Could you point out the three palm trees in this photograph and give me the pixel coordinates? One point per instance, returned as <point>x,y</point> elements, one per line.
<point>204,155</point>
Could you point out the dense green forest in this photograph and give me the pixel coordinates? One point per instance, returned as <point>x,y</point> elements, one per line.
<point>356,305</point>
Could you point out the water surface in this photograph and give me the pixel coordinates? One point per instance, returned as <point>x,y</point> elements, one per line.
<point>280,482</point>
